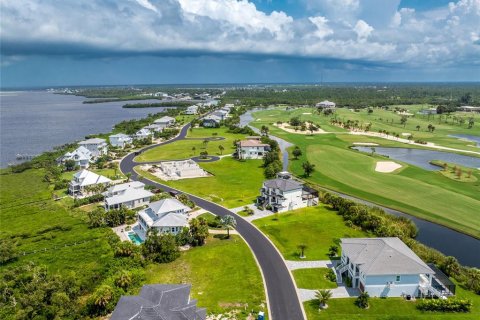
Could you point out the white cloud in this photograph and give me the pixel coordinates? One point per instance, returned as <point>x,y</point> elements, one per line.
<point>340,29</point>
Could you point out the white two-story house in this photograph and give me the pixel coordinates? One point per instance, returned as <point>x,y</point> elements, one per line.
<point>165,122</point>
<point>143,134</point>
<point>84,179</point>
<point>252,148</point>
<point>166,215</point>
<point>191,110</point>
<point>285,194</point>
<point>98,147</point>
<point>385,267</point>
<point>129,195</point>
<point>120,140</point>
<point>82,157</point>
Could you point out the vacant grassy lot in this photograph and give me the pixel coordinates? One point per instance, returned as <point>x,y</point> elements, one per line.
<point>34,221</point>
<point>426,194</point>
<point>383,309</point>
<point>234,283</point>
<point>233,184</point>
<point>183,149</point>
<point>317,227</point>
<point>313,279</point>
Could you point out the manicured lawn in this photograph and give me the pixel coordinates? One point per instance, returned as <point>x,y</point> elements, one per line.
<point>313,279</point>
<point>183,149</point>
<point>223,274</point>
<point>34,221</point>
<point>317,227</point>
<point>426,194</point>
<point>233,184</point>
<point>390,308</point>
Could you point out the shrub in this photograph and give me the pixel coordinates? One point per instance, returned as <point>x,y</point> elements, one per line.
<point>362,300</point>
<point>445,305</point>
<point>331,275</point>
<point>87,200</point>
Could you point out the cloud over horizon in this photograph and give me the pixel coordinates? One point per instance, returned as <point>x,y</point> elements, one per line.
<point>376,32</point>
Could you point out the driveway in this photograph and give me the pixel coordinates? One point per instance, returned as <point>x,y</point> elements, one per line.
<point>257,213</point>
<point>294,265</point>
<point>337,293</point>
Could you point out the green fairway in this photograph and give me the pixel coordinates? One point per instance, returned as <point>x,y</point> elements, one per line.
<point>35,222</point>
<point>390,308</point>
<point>233,184</point>
<point>234,283</point>
<point>426,194</point>
<point>183,149</point>
<point>314,278</point>
<point>317,227</point>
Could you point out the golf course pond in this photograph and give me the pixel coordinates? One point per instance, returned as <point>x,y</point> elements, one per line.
<point>421,158</point>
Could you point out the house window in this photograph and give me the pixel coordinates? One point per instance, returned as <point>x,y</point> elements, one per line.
<point>397,278</point>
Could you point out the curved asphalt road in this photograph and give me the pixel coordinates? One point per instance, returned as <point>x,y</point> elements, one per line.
<point>283,301</point>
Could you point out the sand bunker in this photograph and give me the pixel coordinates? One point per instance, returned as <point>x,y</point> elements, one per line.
<point>284,126</point>
<point>367,144</point>
<point>387,166</point>
<point>307,113</point>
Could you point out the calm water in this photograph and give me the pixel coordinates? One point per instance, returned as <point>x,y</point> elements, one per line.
<point>475,139</point>
<point>447,241</point>
<point>421,158</point>
<point>32,122</point>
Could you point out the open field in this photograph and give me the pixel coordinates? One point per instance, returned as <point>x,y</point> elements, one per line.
<point>34,221</point>
<point>390,308</point>
<point>233,184</point>
<point>183,149</point>
<point>425,194</point>
<point>234,283</point>
<point>314,278</point>
<point>317,227</point>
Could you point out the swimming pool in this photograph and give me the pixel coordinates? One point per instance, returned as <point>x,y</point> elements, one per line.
<point>135,238</point>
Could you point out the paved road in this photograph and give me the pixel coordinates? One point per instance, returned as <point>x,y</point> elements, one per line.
<point>283,299</point>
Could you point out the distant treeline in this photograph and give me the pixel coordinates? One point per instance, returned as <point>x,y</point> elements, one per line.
<point>359,96</point>
<point>124,92</point>
<point>102,100</point>
<point>178,104</point>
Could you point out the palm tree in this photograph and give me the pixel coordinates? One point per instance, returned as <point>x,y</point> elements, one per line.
<point>128,175</point>
<point>228,222</point>
<point>193,150</point>
<point>221,148</point>
<point>418,128</point>
<point>302,248</point>
<point>323,296</point>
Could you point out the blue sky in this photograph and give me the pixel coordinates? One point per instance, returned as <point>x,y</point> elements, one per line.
<point>51,43</point>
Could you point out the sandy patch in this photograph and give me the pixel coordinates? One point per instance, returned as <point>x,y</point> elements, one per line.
<point>284,126</point>
<point>406,134</point>
<point>307,113</point>
<point>368,144</point>
<point>387,166</point>
<point>176,174</point>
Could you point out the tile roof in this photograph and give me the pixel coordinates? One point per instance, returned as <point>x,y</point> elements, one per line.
<point>159,302</point>
<point>383,256</point>
<point>283,184</point>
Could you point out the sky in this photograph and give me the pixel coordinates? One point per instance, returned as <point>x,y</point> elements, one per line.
<point>122,42</point>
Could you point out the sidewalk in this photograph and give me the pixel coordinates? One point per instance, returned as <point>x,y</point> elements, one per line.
<point>294,265</point>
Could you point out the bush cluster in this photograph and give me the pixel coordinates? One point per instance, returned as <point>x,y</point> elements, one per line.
<point>445,305</point>
<point>87,200</point>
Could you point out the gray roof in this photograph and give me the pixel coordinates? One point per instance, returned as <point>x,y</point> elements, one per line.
<point>93,141</point>
<point>283,184</point>
<point>383,256</point>
<point>129,194</point>
<point>159,302</point>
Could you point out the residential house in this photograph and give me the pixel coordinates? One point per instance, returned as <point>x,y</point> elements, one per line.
<point>326,105</point>
<point>120,140</point>
<point>469,109</point>
<point>159,302</point>
<point>167,216</point>
<point>252,148</point>
<point>222,114</point>
<point>84,179</point>
<point>191,110</point>
<point>285,194</point>
<point>386,267</point>
<point>211,121</point>
<point>82,157</point>
<point>129,195</point>
<point>165,121</point>
<point>143,134</point>
<point>98,147</point>
<point>155,127</point>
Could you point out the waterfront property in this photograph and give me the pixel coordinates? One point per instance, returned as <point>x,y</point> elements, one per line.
<point>82,157</point>
<point>252,148</point>
<point>326,105</point>
<point>143,133</point>
<point>98,147</point>
<point>192,110</point>
<point>166,215</point>
<point>165,122</point>
<point>386,267</point>
<point>285,193</point>
<point>221,114</point>
<point>83,180</point>
<point>120,140</point>
<point>129,195</point>
<point>159,301</point>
